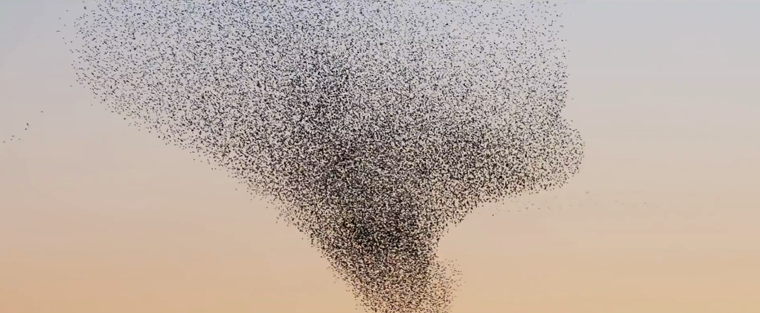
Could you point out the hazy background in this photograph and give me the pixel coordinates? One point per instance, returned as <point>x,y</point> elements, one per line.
<point>96,216</point>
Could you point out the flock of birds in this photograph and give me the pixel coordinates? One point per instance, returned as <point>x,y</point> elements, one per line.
<point>372,125</point>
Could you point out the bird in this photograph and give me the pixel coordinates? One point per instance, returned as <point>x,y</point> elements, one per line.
<point>365,120</point>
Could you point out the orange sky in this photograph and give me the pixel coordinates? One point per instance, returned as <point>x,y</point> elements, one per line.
<point>96,216</point>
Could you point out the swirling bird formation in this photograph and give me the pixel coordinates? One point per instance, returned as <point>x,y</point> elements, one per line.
<point>373,124</point>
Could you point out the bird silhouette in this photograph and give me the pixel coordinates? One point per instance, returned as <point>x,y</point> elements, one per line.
<point>373,125</point>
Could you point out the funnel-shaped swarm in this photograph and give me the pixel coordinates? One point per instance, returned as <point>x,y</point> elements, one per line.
<point>374,124</point>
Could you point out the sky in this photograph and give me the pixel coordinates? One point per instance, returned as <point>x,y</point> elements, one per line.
<point>96,216</point>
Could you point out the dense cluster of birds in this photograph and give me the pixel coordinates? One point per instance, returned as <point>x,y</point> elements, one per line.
<point>372,125</point>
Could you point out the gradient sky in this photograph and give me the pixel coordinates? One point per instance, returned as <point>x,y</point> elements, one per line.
<point>96,216</point>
